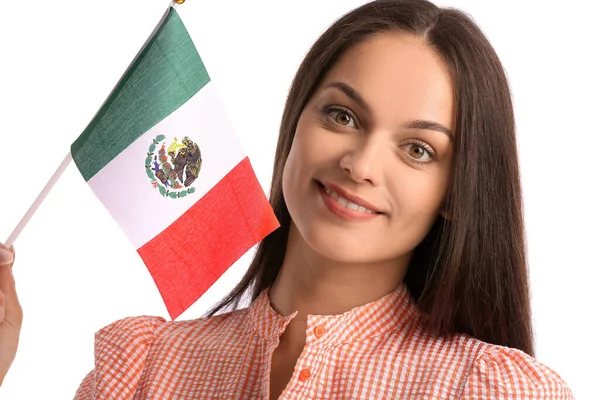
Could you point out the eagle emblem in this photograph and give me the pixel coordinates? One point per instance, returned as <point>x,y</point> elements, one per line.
<point>174,167</point>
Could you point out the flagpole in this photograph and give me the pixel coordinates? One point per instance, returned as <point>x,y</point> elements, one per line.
<point>38,201</point>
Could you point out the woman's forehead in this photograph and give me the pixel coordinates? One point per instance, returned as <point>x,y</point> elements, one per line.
<point>400,73</point>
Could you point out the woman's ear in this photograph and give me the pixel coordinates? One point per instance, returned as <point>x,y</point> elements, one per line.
<point>446,214</point>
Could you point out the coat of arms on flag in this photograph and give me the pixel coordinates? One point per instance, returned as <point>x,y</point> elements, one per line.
<point>197,182</point>
<point>172,170</point>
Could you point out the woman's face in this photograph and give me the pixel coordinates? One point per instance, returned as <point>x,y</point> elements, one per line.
<point>369,167</point>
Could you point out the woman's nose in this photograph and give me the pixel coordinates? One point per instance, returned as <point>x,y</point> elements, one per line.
<point>363,161</point>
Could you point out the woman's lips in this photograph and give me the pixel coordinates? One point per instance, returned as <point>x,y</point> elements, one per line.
<point>347,208</point>
<point>350,197</point>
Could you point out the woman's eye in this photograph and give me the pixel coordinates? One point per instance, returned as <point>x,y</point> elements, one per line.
<point>341,117</point>
<point>419,152</point>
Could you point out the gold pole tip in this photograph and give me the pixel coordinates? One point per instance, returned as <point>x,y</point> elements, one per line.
<point>179,1</point>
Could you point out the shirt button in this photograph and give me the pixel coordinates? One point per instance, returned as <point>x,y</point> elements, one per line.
<point>304,375</point>
<point>319,331</point>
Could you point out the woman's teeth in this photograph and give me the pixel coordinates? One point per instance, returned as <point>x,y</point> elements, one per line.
<point>347,203</point>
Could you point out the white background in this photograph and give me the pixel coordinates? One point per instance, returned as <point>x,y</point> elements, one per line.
<point>75,270</point>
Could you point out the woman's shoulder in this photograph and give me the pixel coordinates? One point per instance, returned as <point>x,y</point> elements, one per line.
<point>485,370</point>
<point>124,347</point>
<point>500,372</point>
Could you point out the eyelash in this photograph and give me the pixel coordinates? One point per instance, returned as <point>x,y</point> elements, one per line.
<point>327,110</point>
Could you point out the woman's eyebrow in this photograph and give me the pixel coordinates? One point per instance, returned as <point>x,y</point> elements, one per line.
<point>413,124</point>
<point>350,92</point>
<point>429,125</point>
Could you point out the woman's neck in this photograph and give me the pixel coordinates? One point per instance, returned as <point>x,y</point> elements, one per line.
<point>311,284</point>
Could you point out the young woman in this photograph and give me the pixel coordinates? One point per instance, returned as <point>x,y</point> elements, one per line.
<point>399,270</point>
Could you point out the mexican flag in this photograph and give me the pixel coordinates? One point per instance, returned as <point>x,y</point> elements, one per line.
<point>162,157</point>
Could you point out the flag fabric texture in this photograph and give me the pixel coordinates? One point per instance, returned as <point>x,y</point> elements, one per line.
<point>163,158</point>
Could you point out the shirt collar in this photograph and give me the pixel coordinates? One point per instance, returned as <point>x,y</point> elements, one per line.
<point>389,312</point>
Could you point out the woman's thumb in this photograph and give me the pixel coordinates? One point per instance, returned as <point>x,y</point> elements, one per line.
<point>7,281</point>
<point>6,256</point>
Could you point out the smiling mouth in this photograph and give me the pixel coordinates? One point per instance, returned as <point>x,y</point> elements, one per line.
<point>346,203</point>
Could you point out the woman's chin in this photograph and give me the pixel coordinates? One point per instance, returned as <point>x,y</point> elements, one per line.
<point>341,248</point>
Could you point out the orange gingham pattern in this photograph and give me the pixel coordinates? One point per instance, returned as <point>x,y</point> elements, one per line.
<point>376,351</point>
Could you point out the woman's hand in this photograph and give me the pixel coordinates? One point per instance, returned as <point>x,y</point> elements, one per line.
<point>11,314</point>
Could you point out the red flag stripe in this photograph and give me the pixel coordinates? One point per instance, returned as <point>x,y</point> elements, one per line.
<point>214,233</point>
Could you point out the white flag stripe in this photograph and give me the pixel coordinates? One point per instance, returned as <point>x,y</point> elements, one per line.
<point>125,188</point>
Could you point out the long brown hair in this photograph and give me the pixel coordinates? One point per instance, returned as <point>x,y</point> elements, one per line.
<point>469,274</point>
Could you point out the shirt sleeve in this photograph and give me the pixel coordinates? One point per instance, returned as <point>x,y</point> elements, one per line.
<point>505,373</point>
<point>120,351</point>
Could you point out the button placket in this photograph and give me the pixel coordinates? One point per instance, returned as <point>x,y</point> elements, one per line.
<point>306,368</point>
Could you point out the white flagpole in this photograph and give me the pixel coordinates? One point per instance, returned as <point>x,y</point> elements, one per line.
<point>36,204</point>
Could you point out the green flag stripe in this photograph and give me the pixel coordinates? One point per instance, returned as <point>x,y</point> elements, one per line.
<point>166,74</point>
